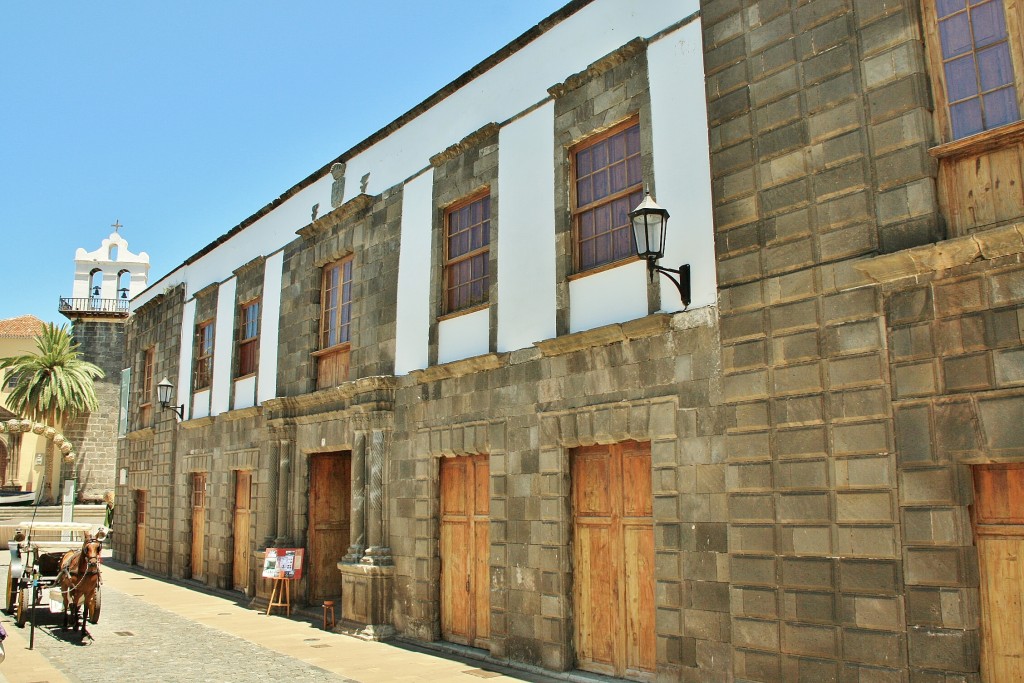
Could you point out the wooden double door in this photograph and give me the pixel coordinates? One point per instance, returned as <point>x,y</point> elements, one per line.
<point>330,515</point>
<point>613,560</point>
<point>140,528</point>
<point>465,550</point>
<point>199,525</point>
<point>999,534</point>
<point>240,528</point>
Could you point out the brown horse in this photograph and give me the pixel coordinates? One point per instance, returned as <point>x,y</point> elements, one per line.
<point>79,581</point>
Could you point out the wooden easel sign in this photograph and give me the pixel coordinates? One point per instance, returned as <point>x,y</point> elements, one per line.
<point>283,565</point>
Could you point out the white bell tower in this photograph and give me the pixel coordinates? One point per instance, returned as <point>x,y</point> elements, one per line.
<point>107,278</point>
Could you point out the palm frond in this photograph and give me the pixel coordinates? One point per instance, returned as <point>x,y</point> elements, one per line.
<point>55,381</point>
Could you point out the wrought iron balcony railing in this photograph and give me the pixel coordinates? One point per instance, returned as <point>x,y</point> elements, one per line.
<point>93,305</point>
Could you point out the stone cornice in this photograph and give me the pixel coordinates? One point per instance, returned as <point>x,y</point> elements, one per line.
<point>157,300</point>
<point>365,393</point>
<point>240,413</point>
<point>197,422</point>
<point>472,140</point>
<point>140,434</point>
<point>353,207</point>
<point>602,65</point>
<point>930,258</point>
<point>249,266</point>
<point>207,290</point>
<point>609,334</point>
<point>488,361</point>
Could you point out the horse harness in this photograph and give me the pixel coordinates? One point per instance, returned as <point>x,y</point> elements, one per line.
<point>92,568</point>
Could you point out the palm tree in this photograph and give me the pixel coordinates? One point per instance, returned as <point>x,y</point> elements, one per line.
<point>54,384</point>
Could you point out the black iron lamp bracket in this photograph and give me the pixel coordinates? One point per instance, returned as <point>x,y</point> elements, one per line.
<point>680,278</point>
<point>178,410</point>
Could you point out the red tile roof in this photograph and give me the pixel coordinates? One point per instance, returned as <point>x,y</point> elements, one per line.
<point>24,326</point>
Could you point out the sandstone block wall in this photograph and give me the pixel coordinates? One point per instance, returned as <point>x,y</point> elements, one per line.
<point>148,451</point>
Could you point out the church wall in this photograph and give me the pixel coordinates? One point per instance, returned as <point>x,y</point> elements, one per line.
<point>102,343</point>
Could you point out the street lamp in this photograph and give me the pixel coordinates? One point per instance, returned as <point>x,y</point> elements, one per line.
<point>649,222</point>
<point>163,394</point>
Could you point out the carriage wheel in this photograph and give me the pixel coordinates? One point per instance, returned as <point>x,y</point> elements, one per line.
<point>94,607</point>
<point>24,596</point>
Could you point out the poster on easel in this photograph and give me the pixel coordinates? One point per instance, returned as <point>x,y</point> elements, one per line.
<point>283,563</point>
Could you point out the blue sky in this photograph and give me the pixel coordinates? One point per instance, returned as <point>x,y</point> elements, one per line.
<point>183,118</point>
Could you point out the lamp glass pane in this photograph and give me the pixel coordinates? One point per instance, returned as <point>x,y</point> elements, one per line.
<point>640,234</point>
<point>163,392</point>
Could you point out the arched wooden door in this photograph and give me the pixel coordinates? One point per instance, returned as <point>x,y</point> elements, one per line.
<point>613,554</point>
<point>330,507</point>
<point>465,550</point>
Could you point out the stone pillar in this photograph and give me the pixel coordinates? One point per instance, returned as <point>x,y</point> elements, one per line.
<point>377,552</point>
<point>366,583</point>
<point>273,484</point>
<point>358,523</point>
<point>285,452</point>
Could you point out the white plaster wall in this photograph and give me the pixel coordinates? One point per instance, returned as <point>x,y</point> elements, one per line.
<point>611,296</point>
<point>513,85</point>
<point>183,388</point>
<point>223,348</point>
<point>413,312</point>
<point>270,322</point>
<point>526,230</point>
<point>245,393</point>
<point>682,165</point>
<point>201,404</point>
<point>265,236</point>
<point>507,89</point>
<point>463,336</point>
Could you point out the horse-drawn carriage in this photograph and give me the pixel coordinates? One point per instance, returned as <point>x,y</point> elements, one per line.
<point>44,562</point>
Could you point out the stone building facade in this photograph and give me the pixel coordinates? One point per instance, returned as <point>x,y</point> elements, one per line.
<point>802,475</point>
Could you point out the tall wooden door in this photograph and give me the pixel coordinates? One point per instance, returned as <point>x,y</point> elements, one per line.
<point>330,507</point>
<point>240,526</point>
<point>465,550</point>
<point>140,528</point>
<point>613,553</point>
<point>999,532</point>
<point>198,524</point>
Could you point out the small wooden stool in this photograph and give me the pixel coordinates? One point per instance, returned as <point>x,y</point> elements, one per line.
<point>328,605</point>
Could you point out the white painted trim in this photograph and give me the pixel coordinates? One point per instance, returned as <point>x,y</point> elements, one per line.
<point>610,296</point>
<point>223,348</point>
<point>412,325</point>
<point>526,230</point>
<point>183,389</point>
<point>682,162</point>
<point>463,336</point>
<point>270,322</point>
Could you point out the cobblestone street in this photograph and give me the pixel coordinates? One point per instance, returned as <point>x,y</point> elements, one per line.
<point>152,630</point>
<point>140,642</point>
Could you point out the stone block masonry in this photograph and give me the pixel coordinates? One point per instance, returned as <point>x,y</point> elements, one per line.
<point>95,434</point>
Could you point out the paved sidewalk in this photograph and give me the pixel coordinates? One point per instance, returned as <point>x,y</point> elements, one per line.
<point>151,629</point>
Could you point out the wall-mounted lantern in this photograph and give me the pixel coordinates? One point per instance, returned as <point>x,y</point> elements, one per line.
<point>649,222</point>
<point>163,394</point>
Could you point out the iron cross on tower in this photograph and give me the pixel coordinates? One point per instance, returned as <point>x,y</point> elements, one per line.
<point>116,225</point>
